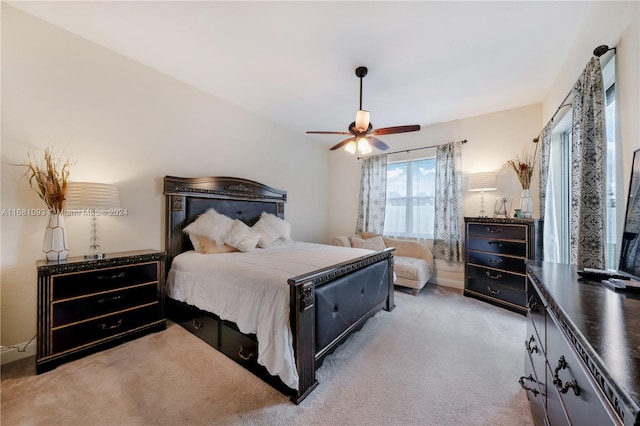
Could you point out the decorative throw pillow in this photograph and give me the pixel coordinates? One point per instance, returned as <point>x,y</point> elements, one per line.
<point>267,234</point>
<point>210,247</point>
<point>210,224</point>
<point>375,243</point>
<point>281,226</point>
<point>242,237</point>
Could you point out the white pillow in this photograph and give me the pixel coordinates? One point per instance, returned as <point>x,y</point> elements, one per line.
<point>267,234</point>
<point>281,226</point>
<point>242,237</point>
<point>210,224</point>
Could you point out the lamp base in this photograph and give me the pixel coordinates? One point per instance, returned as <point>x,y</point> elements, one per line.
<point>94,256</point>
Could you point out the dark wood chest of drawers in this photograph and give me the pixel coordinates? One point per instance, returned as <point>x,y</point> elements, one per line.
<point>88,305</point>
<point>496,250</point>
<point>582,350</point>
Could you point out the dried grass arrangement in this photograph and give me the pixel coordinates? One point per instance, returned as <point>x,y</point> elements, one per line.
<point>523,167</point>
<point>49,177</point>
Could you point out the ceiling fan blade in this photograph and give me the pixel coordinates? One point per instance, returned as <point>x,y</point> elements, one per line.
<point>341,144</point>
<point>396,129</point>
<point>327,133</point>
<point>378,143</point>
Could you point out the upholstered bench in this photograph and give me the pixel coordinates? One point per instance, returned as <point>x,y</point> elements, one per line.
<point>413,260</point>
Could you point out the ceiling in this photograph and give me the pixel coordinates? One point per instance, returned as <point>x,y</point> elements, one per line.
<point>294,62</point>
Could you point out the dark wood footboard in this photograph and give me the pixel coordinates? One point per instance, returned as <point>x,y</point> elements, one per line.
<point>367,281</point>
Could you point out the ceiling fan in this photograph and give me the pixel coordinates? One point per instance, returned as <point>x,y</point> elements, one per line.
<point>362,131</point>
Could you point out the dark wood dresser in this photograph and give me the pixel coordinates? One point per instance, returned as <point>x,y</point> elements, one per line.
<point>496,251</point>
<point>88,305</point>
<point>582,350</point>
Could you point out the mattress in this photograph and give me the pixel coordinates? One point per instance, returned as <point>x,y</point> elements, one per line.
<point>251,290</point>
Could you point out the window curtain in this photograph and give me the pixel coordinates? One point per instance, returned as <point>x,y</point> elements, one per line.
<point>587,221</point>
<point>551,247</point>
<point>448,239</point>
<point>373,194</point>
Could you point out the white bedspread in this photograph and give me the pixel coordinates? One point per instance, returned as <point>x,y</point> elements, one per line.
<point>251,290</point>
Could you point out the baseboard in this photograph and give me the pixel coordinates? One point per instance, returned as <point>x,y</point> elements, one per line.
<point>12,353</point>
<point>447,282</point>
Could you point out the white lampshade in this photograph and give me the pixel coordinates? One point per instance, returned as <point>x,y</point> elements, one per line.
<point>351,147</point>
<point>362,120</point>
<point>363,146</point>
<point>91,195</point>
<point>92,199</point>
<point>483,182</point>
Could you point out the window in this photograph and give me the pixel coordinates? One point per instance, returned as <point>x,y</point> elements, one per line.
<point>410,198</point>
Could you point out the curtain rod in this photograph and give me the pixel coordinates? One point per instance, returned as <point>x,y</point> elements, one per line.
<point>598,51</point>
<point>415,149</point>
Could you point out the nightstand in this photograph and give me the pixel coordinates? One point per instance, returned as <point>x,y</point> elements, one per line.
<point>89,305</point>
<point>496,250</point>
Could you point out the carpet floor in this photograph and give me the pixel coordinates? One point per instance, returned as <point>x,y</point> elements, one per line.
<point>437,359</point>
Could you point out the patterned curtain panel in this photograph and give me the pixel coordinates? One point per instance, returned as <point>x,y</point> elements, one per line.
<point>588,170</point>
<point>373,194</point>
<point>545,153</point>
<point>448,238</point>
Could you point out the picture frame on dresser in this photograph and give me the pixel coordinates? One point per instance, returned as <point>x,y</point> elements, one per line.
<point>496,250</point>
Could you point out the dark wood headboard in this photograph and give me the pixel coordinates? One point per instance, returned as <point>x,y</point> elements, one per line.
<point>187,198</point>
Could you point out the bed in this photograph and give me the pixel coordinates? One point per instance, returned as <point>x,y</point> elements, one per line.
<point>325,295</point>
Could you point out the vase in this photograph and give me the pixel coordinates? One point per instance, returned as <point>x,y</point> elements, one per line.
<point>56,246</point>
<point>526,205</point>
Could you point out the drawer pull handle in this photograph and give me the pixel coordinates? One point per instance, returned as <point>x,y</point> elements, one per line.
<point>497,243</point>
<point>523,386</point>
<point>494,230</point>
<point>562,364</point>
<point>110,299</point>
<point>533,305</point>
<point>112,277</point>
<point>244,357</point>
<point>493,277</point>
<point>494,291</point>
<point>196,324</point>
<point>104,326</point>
<point>528,343</point>
<point>494,261</point>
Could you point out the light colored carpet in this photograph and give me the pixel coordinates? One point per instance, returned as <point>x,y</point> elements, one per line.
<point>437,359</point>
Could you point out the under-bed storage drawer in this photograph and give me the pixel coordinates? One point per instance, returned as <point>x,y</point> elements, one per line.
<point>241,348</point>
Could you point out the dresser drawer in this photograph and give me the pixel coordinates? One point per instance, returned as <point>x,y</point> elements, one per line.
<point>497,284</point>
<point>242,349</point>
<point>498,231</point>
<point>498,246</point>
<point>535,392</point>
<point>537,316</point>
<point>491,260</point>
<point>583,402</point>
<point>76,284</point>
<point>93,331</point>
<point>83,308</point>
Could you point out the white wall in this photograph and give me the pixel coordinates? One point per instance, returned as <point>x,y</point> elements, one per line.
<point>126,124</point>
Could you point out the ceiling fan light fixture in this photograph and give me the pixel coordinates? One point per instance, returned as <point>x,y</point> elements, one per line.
<point>363,146</point>
<point>351,147</point>
<point>362,120</point>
